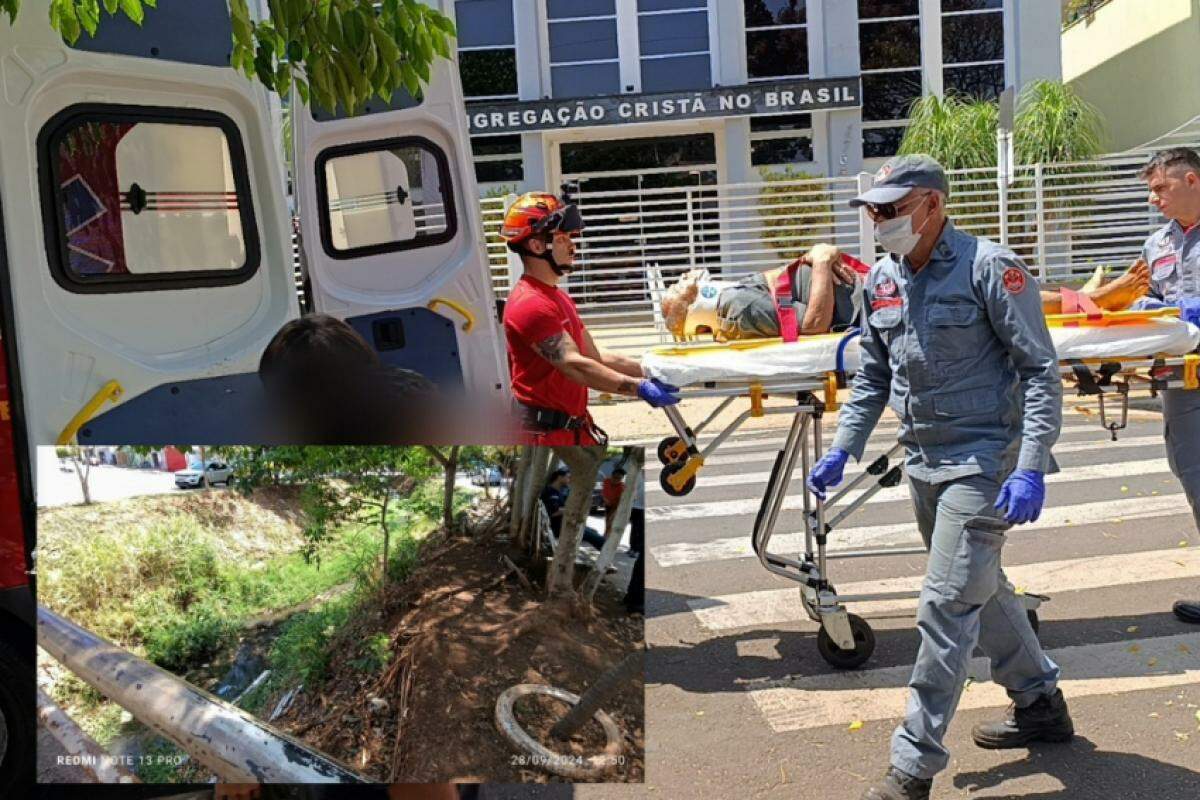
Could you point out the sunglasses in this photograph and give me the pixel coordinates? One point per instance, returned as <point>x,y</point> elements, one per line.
<point>885,211</point>
<point>566,219</point>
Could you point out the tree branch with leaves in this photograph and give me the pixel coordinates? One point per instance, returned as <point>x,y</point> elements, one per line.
<point>334,52</point>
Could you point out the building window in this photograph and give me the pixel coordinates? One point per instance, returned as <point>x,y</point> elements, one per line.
<point>781,139</point>
<point>973,48</point>
<point>657,153</point>
<point>584,53</point>
<point>498,159</point>
<point>143,199</point>
<point>487,64</point>
<point>380,197</point>
<point>673,42</point>
<point>776,39</point>
<point>889,40</point>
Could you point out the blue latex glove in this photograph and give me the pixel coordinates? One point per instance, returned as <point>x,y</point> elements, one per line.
<point>1189,310</point>
<point>657,393</point>
<point>1023,494</point>
<point>828,471</point>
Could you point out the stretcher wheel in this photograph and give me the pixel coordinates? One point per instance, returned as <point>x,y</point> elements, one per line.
<point>1031,614</point>
<point>668,443</point>
<point>667,472</point>
<point>864,645</point>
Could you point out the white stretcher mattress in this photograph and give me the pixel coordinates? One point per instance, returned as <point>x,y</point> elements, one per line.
<point>813,356</point>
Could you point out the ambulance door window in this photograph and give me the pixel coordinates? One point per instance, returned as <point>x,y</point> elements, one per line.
<point>379,197</point>
<point>146,200</point>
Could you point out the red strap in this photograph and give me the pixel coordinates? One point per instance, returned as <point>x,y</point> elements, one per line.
<point>1074,302</point>
<point>785,307</point>
<point>855,264</point>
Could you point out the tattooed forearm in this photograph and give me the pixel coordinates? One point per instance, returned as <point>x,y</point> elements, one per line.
<point>628,387</point>
<point>552,349</point>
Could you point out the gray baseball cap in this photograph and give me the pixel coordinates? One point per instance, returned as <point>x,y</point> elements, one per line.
<point>900,176</point>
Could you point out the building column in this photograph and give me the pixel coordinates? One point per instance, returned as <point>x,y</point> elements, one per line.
<point>528,24</point>
<point>833,53</point>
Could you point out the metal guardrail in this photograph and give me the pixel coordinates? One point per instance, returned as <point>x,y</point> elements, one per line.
<point>235,745</point>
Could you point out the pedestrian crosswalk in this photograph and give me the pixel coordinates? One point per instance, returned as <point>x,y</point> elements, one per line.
<point>702,540</point>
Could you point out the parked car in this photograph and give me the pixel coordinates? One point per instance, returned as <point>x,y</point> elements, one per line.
<point>198,475</point>
<point>489,476</point>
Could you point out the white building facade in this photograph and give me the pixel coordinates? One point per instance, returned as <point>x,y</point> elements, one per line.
<point>524,55</point>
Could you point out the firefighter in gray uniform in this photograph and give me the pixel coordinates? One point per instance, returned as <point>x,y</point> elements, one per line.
<point>1173,254</point>
<point>957,345</point>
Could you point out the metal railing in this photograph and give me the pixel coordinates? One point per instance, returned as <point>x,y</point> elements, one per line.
<point>237,746</point>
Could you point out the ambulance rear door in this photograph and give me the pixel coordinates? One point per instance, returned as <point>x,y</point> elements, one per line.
<point>148,233</point>
<point>392,233</point>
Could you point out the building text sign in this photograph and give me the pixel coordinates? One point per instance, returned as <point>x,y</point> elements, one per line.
<point>782,97</point>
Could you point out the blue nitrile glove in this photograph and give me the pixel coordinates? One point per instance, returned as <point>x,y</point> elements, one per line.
<point>1189,310</point>
<point>828,471</point>
<point>1023,494</point>
<point>657,393</point>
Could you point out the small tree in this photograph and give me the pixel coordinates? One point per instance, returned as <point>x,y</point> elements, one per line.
<point>584,463</point>
<point>83,467</point>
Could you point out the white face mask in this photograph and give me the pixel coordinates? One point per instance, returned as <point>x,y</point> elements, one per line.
<point>897,235</point>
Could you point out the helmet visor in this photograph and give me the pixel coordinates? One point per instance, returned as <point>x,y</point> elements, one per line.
<point>566,219</point>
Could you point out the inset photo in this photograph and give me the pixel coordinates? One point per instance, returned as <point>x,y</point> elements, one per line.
<point>304,615</point>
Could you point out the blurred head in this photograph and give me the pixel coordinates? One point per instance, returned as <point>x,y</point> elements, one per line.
<point>1174,180</point>
<point>560,478</point>
<point>618,474</point>
<point>326,385</point>
<point>678,299</point>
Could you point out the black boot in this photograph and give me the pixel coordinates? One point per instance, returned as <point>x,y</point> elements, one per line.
<point>899,785</point>
<point>1046,720</point>
<point>1188,611</point>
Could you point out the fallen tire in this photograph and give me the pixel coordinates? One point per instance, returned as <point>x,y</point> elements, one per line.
<point>568,766</point>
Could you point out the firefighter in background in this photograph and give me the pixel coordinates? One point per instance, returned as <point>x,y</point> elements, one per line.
<point>552,359</point>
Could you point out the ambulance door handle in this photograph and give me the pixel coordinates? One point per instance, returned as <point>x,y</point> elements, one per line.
<point>110,391</point>
<point>459,307</point>
<point>401,195</point>
<point>137,199</point>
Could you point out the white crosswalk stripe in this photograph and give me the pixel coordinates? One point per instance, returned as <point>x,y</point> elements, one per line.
<point>795,501</point>
<point>842,698</point>
<point>904,533</point>
<point>773,606</point>
<point>712,526</point>
<point>1061,448</point>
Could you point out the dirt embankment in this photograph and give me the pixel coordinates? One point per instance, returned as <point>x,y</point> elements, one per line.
<point>263,523</point>
<point>461,630</point>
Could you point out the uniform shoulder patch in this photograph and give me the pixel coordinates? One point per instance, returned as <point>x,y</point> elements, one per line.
<point>1014,280</point>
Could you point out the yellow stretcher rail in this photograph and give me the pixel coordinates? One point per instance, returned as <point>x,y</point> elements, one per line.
<point>109,392</point>
<point>466,313</point>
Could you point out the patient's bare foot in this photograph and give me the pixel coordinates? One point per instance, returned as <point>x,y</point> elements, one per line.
<point>1119,294</point>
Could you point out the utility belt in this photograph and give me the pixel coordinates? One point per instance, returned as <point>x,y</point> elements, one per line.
<point>541,420</point>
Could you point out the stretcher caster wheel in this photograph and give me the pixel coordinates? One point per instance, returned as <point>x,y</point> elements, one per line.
<point>670,443</point>
<point>667,472</point>
<point>1033,619</point>
<point>864,645</point>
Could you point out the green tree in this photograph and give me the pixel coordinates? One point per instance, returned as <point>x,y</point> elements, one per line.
<point>1053,124</point>
<point>340,485</point>
<point>335,52</point>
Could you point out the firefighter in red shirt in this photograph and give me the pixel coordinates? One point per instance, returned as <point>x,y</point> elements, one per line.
<point>552,359</point>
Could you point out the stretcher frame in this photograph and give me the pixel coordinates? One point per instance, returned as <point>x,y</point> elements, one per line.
<point>845,640</point>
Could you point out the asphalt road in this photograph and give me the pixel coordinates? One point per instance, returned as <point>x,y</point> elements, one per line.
<point>740,704</point>
<point>58,485</point>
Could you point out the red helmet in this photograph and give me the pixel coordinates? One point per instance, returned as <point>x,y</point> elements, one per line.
<point>539,213</point>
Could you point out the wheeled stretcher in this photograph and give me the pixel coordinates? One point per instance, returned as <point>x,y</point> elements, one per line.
<point>1105,357</point>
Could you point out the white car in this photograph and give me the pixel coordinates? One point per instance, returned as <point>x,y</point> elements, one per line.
<point>200,475</point>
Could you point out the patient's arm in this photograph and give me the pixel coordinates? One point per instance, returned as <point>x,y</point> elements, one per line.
<point>818,316</point>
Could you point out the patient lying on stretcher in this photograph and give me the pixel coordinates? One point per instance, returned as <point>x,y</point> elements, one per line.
<point>824,298</point>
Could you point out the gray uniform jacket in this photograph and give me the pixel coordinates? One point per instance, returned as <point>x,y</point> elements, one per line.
<point>1174,259</point>
<point>961,352</point>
